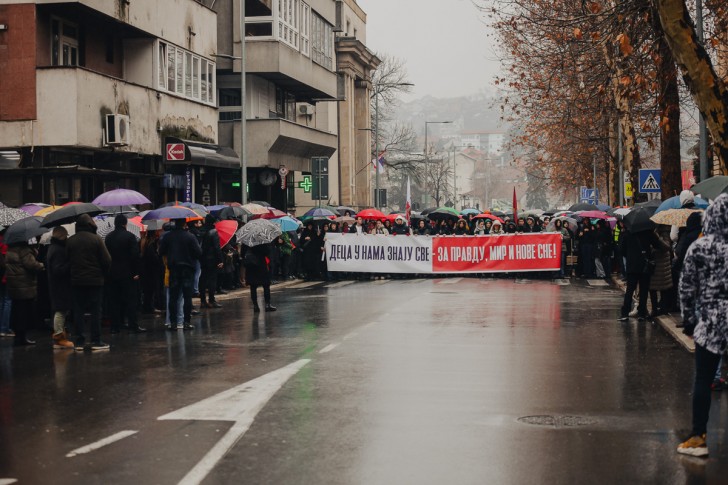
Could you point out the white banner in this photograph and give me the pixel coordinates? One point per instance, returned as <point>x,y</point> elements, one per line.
<point>377,253</point>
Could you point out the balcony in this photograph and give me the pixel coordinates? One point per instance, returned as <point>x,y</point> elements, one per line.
<point>289,69</point>
<point>72,102</point>
<point>275,142</point>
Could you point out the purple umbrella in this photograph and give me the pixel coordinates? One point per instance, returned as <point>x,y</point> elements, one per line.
<point>120,197</point>
<point>32,208</point>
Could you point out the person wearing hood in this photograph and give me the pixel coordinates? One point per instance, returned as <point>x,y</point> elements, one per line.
<point>693,228</point>
<point>687,201</point>
<point>521,226</point>
<point>22,268</point>
<point>480,228</point>
<point>461,228</point>
<point>704,305</point>
<point>211,263</point>
<point>182,250</point>
<point>399,226</point>
<point>496,228</point>
<point>123,280</point>
<point>90,262</point>
<point>532,226</point>
<point>59,287</point>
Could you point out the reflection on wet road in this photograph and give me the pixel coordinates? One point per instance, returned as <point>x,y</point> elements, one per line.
<point>454,380</point>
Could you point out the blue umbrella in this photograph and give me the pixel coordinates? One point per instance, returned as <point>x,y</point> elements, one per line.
<point>215,208</point>
<point>469,210</point>
<point>674,203</point>
<point>287,223</point>
<point>174,212</point>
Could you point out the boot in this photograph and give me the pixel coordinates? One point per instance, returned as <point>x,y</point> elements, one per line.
<point>270,308</point>
<point>60,341</point>
<point>256,308</point>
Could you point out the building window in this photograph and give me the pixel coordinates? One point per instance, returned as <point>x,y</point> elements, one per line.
<point>288,22</point>
<point>64,43</point>
<point>305,29</point>
<point>182,72</point>
<point>259,18</point>
<point>322,40</point>
<point>229,104</point>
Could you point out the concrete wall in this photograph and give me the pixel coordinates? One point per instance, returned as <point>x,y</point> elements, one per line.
<point>74,116</point>
<point>354,22</point>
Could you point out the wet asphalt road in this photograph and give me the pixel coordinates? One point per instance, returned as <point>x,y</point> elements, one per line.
<point>419,382</point>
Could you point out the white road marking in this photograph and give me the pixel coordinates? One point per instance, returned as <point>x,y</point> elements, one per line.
<point>351,335</point>
<point>380,282</point>
<point>328,348</point>
<point>7,481</point>
<point>101,443</point>
<point>418,280</point>
<point>597,283</point>
<point>241,404</point>
<point>450,281</point>
<point>339,284</point>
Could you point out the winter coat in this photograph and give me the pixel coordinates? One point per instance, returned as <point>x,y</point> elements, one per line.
<point>22,270</point>
<point>637,248</point>
<point>59,276</point>
<point>181,249</point>
<point>688,237</point>
<point>90,260</point>
<point>661,279</point>
<point>704,281</point>
<point>257,265</point>
<point>124,250</point>
<point>212,254</point>
<point>400,229</point>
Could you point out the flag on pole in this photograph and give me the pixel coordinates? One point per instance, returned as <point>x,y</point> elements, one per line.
<point>515,205</point>
<point>378,163</point>
<point>408,204</point>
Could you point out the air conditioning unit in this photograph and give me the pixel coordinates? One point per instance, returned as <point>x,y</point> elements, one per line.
<point>307,109</point>
<point>117,130</point>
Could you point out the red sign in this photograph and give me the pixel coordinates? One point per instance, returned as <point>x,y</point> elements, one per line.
<point>175,152</point>
<point>492,254</point>
<point>688,179</point>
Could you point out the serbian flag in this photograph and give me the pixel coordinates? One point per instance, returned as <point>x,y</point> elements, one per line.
<point>408,203</point>
<point>515,205</point>
<point>378,163</point>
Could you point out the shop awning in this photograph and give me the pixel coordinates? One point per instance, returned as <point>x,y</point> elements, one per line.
<point>203,154</point>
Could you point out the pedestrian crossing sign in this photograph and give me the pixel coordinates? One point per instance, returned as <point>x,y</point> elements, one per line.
<point>650,180</point>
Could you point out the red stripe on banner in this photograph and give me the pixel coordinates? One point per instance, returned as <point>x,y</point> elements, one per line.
<point>489,254</point>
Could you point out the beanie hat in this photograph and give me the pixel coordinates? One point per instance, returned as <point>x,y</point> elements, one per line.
<point>686,196</point>
<point>120,220</point>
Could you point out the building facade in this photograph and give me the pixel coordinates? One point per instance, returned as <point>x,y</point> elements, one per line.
<point>96,90</point>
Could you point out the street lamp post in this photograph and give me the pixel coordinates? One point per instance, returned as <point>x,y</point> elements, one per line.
<point>427,157</point>
<point>377,87</point>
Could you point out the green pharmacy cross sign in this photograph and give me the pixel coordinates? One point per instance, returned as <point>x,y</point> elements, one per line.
<point>306,184</point>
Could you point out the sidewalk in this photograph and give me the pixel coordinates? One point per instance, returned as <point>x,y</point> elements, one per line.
<point>668,322</point>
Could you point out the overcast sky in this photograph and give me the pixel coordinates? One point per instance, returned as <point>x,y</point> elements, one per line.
<point>443,42</point>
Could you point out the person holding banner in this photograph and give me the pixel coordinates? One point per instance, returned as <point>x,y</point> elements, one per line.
<point>422,229</point>
<point>380,229</point>
<point>480,229</point>
<point>358,228</point>
<point>461,228</point>
<point>496,228</point>
<point>399,226</point>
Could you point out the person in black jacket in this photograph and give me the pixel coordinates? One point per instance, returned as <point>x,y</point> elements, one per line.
<point>211,262</point>
<point>59,286</point>
<point>90,262</point>
<point>637,249</point>
<point>400,226</point>
<point>182,250</point>
<point>123,281</point>
<point>257,273</point>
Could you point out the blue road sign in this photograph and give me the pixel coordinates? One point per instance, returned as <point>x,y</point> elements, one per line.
<point>589,196</point>
<point>650,180</point>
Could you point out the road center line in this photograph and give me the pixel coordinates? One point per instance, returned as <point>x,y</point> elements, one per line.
<point>7,481</point>
<point>240,404</point>
<point>328,348</point>
<point>99,444</point>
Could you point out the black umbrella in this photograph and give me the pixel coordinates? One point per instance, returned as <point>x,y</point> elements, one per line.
<point>428,210</point>
<point>583,206</point>
<point>69,214</point>
<point>232,212</point>
<point>650,205</point>
<point>499,213</point>
<point>638,219</point>
<point>24,229</point>
<point>712,187</point>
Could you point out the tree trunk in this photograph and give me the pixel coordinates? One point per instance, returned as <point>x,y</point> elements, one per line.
<point>631,153</point>
<point>613,165</point>
<point>668,102</point>
<point>708,90</point>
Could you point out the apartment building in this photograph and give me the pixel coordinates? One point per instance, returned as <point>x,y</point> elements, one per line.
<point>93,91</point>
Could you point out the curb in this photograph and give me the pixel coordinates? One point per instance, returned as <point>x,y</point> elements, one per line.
<point>667,322</point>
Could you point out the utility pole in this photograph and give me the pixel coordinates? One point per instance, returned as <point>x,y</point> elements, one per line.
<point>703,152</point>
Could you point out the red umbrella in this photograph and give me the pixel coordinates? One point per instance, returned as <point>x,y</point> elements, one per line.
<point>273,213</point>
<point>488,216</point>
<point>371,214</point>
<point>226,230</point>
<point>137,221</point>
